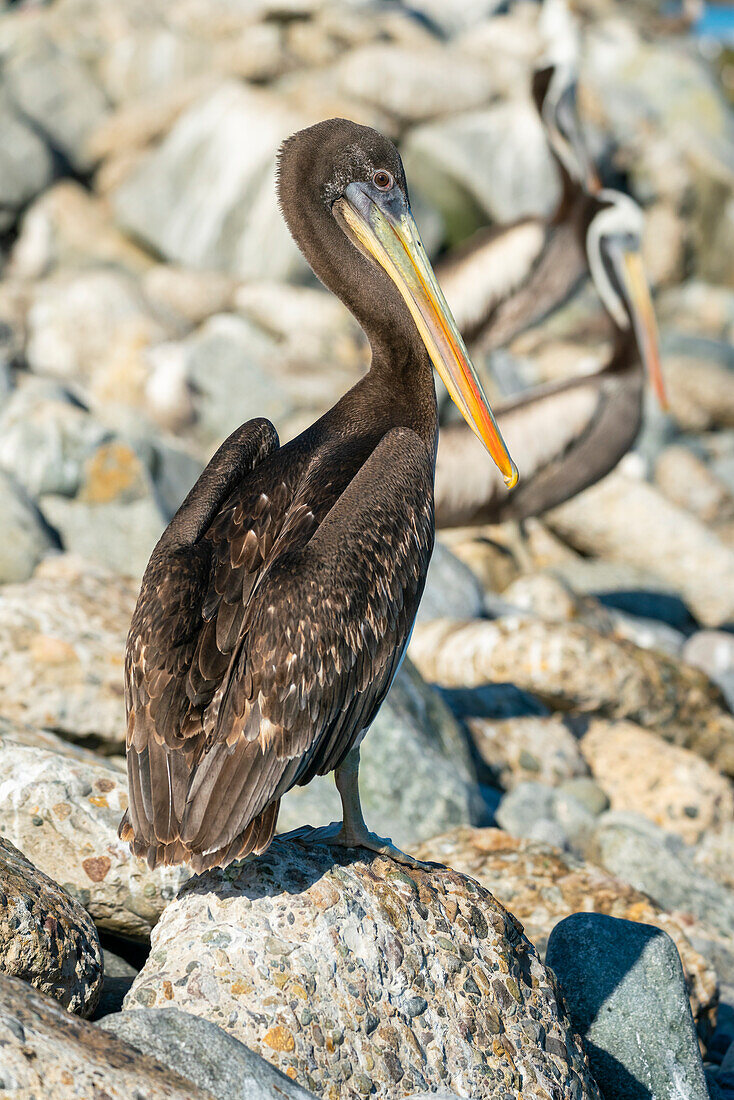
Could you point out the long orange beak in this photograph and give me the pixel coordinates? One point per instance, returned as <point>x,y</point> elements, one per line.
<point>643,319</point>
<point>386,231</point>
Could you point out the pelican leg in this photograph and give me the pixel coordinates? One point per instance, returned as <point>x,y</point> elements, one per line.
<point>352,831</point>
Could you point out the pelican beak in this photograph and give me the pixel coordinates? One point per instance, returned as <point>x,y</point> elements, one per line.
<point>381,226</point>
<point>643,320</point>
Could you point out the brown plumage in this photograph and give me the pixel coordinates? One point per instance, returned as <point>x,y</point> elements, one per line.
<point>276,606</point>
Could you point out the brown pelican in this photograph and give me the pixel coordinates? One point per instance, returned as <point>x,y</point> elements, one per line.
<point>568,435</point>
<point>506,278</point>
<point>277,605</point>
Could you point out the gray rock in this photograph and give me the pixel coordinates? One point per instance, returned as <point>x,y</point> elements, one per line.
<point>223,372</point>
<point>543,813</point>
<point>452,590</point>
<point>118,977</point>
<point>644,855</point>
<point>26,538</point>
<point>203,1053</point>
<point>490,164</point>
<point>353,973</point>
<point>626,993</point>
<point>714,854</point>
<point>46,938</point>
<point>62,640</point>
<point>713,652</point>
<point>206,197</point>
<point>412,740</point>
<point>49,1052</point>
<point>586,791</point>
<point>533,748</point>
<point>117,534</point>
<point>58,93</point>
<point>63,814</point>
<point>26,166</point>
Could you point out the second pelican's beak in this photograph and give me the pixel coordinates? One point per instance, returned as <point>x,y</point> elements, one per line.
<point>382,227</point>
<point>643,319</point>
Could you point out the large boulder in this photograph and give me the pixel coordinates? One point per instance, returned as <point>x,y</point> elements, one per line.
<point>541,886</point>
<point>625,990</point>
<point>49,1052</point>
<point>46,938</point>
<point>63,814</point>
<point>574,668</point>
<point>359,976</point>
<point>413,741</point>
<point>206,196</point>
<point>62,642</point>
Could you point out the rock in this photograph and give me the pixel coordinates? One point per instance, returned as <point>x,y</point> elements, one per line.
<point>63,815</point>
<point>714,854</point>
<point>412,740</point>
<point>27,537</point>
<point>361,975</point>
<point>48,1052</point>
<point>205,197</point>
<point>57,94</point>
<point>117,534</point>
<point>492,163</point>
<point>527,748</point>
<point>492,564</point>
<point>118,977</point>
<point>672,786</point>
<point>17,733</point>
<point>412,84</point>
<point>541,886</point>
<point>713,652</point>
<point>46,938</point>
<point>626,993</point>
<point>62,643</point>
<point>46,437</point>
<point>543,813</point>
<point>452,590</point>
<point>66,228</point>
<point>571,667</point>
<point>632,847</point>
<point>700,392</point>
<point>203,1053</point>
<point>194,295</point>
<point>687,480</point>
<point>223,376</point>
<point>608,519</point>
<point>26,165</point>
<point>455,17</point>
<point>92,327</point>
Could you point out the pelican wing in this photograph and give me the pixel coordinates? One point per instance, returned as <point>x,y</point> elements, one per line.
<point>301,629</point>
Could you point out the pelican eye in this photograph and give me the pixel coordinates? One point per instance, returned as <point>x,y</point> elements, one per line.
<point>382,179</point>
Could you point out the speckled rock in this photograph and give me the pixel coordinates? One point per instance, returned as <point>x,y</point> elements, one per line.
<point>362,977</point>
<point>527,748</point>
<point>630,521</point>
<point>203,1053</point>
<point>541,886</point>
<point>574,668</point>
<point>27,536</point>
<point>626,993</point>
<point>48,1052</point>
<point>674,787</point>
<point>62,641</point>
<point>413,739</point>
<point>687,480</point>
<point>63,814</point>
<point>714,854</point>
<point>46,938</point>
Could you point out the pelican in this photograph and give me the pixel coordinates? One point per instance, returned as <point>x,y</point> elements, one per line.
<point>276,607</point>
<point>568,435</point>
<point>506,278</point>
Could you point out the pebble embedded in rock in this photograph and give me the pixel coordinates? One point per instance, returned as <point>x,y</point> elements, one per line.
<point>415,956</point>
<point>46,937</point>
<point>625,990</point>
<point>541,885</point>
<point>63,814</point>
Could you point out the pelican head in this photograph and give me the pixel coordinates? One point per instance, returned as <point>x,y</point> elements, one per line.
<point>554,92</point>
<point>613,246</point>
<point>360,237</point>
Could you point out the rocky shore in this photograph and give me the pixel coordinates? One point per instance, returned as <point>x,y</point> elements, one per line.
<point>559,743</point>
